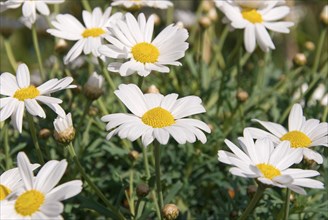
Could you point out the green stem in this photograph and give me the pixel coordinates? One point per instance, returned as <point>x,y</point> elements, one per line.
<point>106,74</point>
<point>37,50</point>
<point>325,113</point>
<point>102,106</point>
<point>137,208</point>
<point>85,111</point>
<point>287,201</point>
<point>145,159</point>
<point>72,153</point>
<point>140,81</point>
<point>319,50</point>
<point>253,202</point>
<point>10,54</point>
<point>131,199</point>
<point>157,155</point>
<point>86,5</point>
<point>7,148</point>
<point>34,138</point>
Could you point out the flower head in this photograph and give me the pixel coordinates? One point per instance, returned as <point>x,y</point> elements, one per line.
<point>88,37</point>
<point>22,94</point>
<point>302,134</point>
<point>161,4</point>
<point>93,88</point>
<point>268,164</point>
<point>39,198</point>
<point>256,17</point>
<point>64,130</point>
<point>132,39</point>
<point>29,7</point>
<point>156,116</point>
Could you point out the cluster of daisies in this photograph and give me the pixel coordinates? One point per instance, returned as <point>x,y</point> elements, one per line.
<point>270,157</point>
<point>25,196</point>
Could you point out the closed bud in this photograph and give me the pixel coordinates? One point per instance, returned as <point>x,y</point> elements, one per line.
<point>207,5</point>
<point>93,111</point>
<point>170,212</point>
<point>44,133</point>
<point>152,89</point>
<point>64,130</point>
<point>212,14</point>
<point>142,190</point>
<point>205,21</point>
<point>61,46</point>
<point>157,19</point>
<point>300,59</point>
<point>93,88</point>
<point>309,45</point>
<point>134,155</point>
<point>242,96</point>
<point>324,15</point>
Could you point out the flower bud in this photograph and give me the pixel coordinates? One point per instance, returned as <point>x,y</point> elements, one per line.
<point>93,88</point>
<point>64,130</point>
<point>61,46</point>
<point>207,5</point>
<point>134,155</point>
<point>142,190</point>
<point>157,19</point>
<point>212,14</point>
<point>152,89</point>
<point>205,21</point>
<point>44,133</point>
<point>324,15</point>
<point>300,59</point>
<point>309,45</point>
<point>170,212</point>
<point>242,96</point>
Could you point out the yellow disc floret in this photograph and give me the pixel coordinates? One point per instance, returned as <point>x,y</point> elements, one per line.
<point>252,15</point>
<point>297,139</point>
<point>4,192</point>
<point>268,170</point>
<point>158,118</point>
<point>93,32</point>
<point>26,93</point>
<point>145,52</point>
<point>29,202</point>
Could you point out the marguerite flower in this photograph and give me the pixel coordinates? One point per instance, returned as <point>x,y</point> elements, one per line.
<point>21,94</point>
<point>29,7</point>
<point>156,116</point>
<point>161,4</point>
<point>302,134</point>
<point>269,164</point>
<point>88,37</point>
<point>38,199</point>
<point>10,181</point>
<point>255,17</point>
<point>132,40</point>
<point>64,130</point>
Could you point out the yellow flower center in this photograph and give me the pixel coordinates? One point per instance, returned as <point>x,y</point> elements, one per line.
<point>145,52</point>
<point>158,118</point>
<point>29,202</point>
<point>252,15</point>
<point>26,93</point>
<point>268,170</point>
<point>93,32</point>
<point>4,192</point>
<point>297,139</point>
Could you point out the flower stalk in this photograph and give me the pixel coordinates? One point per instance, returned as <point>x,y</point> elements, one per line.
<point>34,138</point>
<point>37,50</point>
<point>287,202</point>
<point>157,156</point>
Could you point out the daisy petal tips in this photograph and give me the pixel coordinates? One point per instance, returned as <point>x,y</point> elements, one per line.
<point>268,164</point>
<point>302,134</point>
<point>131,39</point>
<point>155,116</point>
<point>21,94</point>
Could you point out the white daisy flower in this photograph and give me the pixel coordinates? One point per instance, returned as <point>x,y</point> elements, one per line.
<point>29,7</point>
<point>88,37</point>
<point>256,20</point>
<point>268,164</point>
<point>302,134</point>
<point>132,39</point>
<point>156,116</point>
<point>10,181</point>
<point>64,130</point>
<point>21,94</point>
<point>161,4</point>
<point>93,89</point>
<point>38,199</point>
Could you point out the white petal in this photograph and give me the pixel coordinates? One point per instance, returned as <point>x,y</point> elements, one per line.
<point>23,76</point>
<point>34,108</point>
<point>295,119</point>
<point>312,155</point>
<point>65,191</point>
<point>249,38</point>
<point>17,116</point>
<point>25,170</point>
<point>274,128</point>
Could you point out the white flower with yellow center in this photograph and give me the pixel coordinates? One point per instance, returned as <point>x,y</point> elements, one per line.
<point>21,94</point>
<point>256,18</point>
<point>39,198</point>
<point>132,39</point>
<point>88,37</point>
<point>161,4</point>
<point>156,116</point>
<point>268,164</point>
<point>10,181</point>
<point>302,134</point>
<point>30,7</point>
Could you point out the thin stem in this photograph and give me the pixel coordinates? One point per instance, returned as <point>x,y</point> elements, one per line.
<point>102,106</point>
<point>7,148</point>
<point>146,163</point>
<point>106,74</point>
<point>319,50</point>
<point>86,5</point>
<point>131,199</point>
<point>37,50</point>
<point>90,183</point>
<point>34,138</point>
<point>253,202</point>
<point>85,111</point>
<point>287,201</point>
<point>157,155</point>
<point>137,208</point>
<point>140,81</point>
<point>10,54</point>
